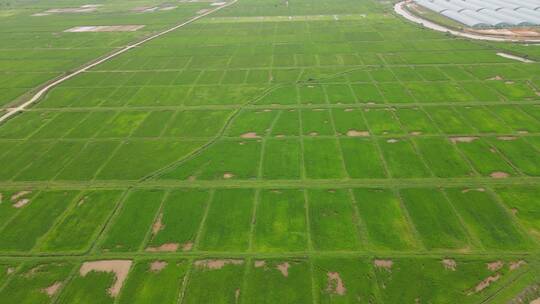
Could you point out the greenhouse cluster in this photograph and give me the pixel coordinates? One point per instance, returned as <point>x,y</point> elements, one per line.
<point>487,13</point>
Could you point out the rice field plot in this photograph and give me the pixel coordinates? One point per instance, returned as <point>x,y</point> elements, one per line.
<point>153,125</point>
<point>176,226</point>
<point>349,122</point>
<point>487,219</point>
<point>383,220</point>
<point>317,122</point>
<point>98,281</point>
<point>123,234</point>
<point>282,159</point>
<point>188,123</point>
<point>216,162</point>
<point>333,225</point>
<point>81,224</point>
<point>483,120</point>
<point>35,217</point>
<point>434,219</point>
<point>11,202</point>
<point>523,202</point>
<point>88,161</point>
<point>48,164</point>
<point>280,223</point>
<point>322,158</point>
<point>287,124</point>
<point>154,281</point>
<point>483,157</point>
<point>345,280</point>
<point>284,281</point>
<point>39,282</point>
<point>382,122</point>
<point>361,158</point>
<point>255,123</point>
<point>442,157</point>
<point>134,159</point>
<point>7,270</point>
<point>519,152</point>
<point>445,280</point>
<point>449,121</point>
<point>402,159</point>
<point>224,275</point>
<point>416,121</point>
<point>228,223</point>
<point>20,156</point>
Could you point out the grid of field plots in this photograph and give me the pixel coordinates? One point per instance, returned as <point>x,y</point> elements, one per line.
<point>270,152</point>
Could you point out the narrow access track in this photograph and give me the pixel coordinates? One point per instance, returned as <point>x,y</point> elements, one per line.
<point>14,110</point>
<point>399,8</point>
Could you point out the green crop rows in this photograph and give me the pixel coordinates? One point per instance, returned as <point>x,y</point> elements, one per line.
<point>269,152</point>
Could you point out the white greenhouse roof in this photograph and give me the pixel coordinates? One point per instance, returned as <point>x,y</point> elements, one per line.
<point>487,13</point>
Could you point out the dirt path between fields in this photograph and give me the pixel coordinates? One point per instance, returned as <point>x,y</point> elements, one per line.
<point>12,111</point>
<point>399,8</point>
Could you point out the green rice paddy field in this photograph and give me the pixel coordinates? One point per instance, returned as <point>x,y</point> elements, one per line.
<point>270,152</point>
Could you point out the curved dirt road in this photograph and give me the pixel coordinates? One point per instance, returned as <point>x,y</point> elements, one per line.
<point>400,10</point>
<point>12,111</point>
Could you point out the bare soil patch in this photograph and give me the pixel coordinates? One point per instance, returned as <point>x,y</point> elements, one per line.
<point>494,266</point>
<point>499,174</point>
<point>187,246</point>
<point>32,272</point>
<point>284,268</point>
<point>10,270</point>
<point>158,266</point>
<point>355,133</point>
<point>120,268</point>
<point>449,264</point>
<point>477,189</point>
<point>53,289</point>
<point>82,201</point>
<point>228,175</point>
<point>88,8</point>
<point>392,141</point>
<point>104,28</point>
<point>486,282</point>
<point>416,133</point>
<point>535,301</point>
<point>260,263</point>
<point>386,264</point>
<point>158,225</point>
<point>236,295</point>
<point>167,247</point>
<point>21,203</point>
<point>313,134</point>
<point>465,139</point>
<point>497,77</point>
<point>349,110</point>
<point>335,284</point>
<point>250,135</point>
<point>19,194</point>
<point>516,264</point>
<point>506,138</point>
<point>217,264</point>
